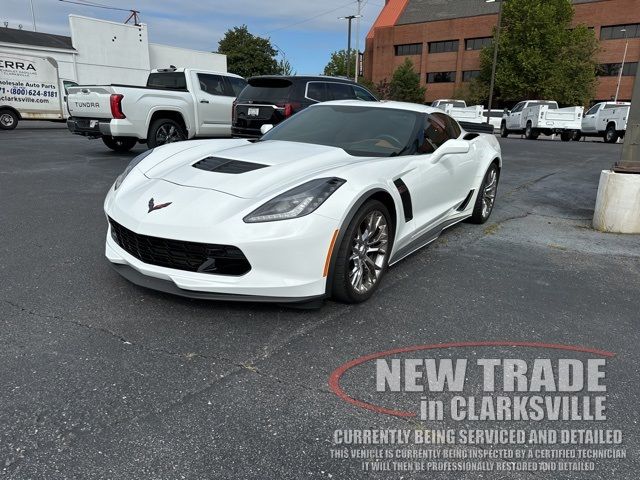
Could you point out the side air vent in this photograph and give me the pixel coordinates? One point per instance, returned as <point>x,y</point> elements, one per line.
<point>463,205</point>
<point>226,165</point>
<point>471,136</point>
<point>407,206</point>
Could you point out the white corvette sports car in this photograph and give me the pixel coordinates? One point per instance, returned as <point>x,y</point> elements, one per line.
<point>319,207</point>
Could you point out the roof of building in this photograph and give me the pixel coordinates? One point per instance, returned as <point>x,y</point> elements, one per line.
<point>420,11</point>
<point>37,39</point>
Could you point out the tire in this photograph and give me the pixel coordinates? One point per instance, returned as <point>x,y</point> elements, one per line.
<point>353,279</point>
<point>530,133</point>
<point>119,144</point>
<point>488,190</point>
<point>566,136</point>
<point>164,131</point>
<point>504,132</point>
<point>577,136</point>
<point>8,120</point>
<point>610,134</point>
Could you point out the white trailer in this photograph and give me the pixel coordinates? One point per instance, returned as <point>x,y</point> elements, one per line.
<point>535,117</point>
<point>30,89</point>
<point>607,120</point>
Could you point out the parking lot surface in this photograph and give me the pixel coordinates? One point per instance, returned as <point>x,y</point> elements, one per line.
<point>102,379</point>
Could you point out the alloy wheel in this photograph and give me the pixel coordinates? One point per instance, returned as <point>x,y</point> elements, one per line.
<point>368,252</point>
<point>489,192</point>
<point>168,134</point>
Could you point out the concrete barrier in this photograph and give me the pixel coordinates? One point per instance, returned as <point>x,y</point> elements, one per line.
<point>618,203</point>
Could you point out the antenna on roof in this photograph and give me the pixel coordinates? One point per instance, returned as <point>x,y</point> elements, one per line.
<point>134,14</point>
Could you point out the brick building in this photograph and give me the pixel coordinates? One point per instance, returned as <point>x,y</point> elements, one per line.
<point>443,38</point>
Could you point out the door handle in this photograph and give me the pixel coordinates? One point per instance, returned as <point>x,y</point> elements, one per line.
<point>204,101</point>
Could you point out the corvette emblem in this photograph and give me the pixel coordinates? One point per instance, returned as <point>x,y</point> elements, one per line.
<point>153,206</point>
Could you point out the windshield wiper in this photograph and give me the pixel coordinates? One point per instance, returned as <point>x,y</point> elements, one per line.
<point>400,152</point>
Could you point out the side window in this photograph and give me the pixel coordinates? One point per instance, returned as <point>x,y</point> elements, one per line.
<point>452,128</point>
<point>435,133</point>
<point>594,109</point>
<point>317,91</point>
<point>340,91</point>
<point>518,108</point>
<point>237,85</point>
<point>362,94</point>
<point>211,84</point>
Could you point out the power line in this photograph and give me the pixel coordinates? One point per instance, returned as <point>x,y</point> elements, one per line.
<point>311,18</point>
<point>96,5</point>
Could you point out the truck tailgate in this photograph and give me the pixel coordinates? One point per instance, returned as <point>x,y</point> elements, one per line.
<point>90,102</point>
<point>569,118</point>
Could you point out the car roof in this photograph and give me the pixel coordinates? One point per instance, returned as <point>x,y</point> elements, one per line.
<point>413,107</point>
<point>182,70</point>
<point>304,78</point>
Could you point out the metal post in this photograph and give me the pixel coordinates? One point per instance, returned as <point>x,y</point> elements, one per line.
<point>355,78</point>
<point>624,58</point>
<point>349,47</point>
<point>495,61</point>
<point>631,149</point>
<point>33,15</point>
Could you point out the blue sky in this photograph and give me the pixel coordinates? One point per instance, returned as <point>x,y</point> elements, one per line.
<point>307,32</point>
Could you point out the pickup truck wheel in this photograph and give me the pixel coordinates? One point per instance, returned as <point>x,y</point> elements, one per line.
<point>119,144</point>
<point>577,136</point>
<point>504,133</point>
<point>530,133</point>
<point>8,120</point>
<point>566,136</point>
<point>610,134</point>
<point>164,131</point>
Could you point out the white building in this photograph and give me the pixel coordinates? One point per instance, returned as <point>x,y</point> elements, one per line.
<point>101,52</point>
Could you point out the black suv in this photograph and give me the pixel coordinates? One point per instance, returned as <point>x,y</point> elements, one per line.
<point>272,99</point>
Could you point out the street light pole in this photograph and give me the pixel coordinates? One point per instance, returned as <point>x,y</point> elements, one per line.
<point>495,58</point>
<point>349,19</point>
<point>631,149</point>
<point>355,77</point>
<point>33,15</point>
<point>624,58</point>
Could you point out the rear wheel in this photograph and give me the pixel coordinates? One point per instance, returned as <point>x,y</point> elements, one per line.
<point>486,198</point>
<point>610,134</point>
<point>119,144</point>
<point>577,136</point>
<point>363,256</point>
<point>165,131</point>
<point>8,120</point>
<point>566,135</point>
<point>530,133</point>
<point>504,133</point>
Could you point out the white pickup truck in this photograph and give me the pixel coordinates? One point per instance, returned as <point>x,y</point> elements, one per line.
<point>535,117</point>
<point>607,120</point>
<point>458,109</point>
<point>176,104</point>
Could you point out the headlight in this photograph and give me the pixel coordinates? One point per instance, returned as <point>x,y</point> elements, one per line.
<point>130,167</point>
<point>297,202</point>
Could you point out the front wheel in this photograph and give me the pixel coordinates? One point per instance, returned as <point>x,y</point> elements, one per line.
<point>504,132</point>
<point>363,256</point>
<point>164,131</point>
<point>8,120</point>
<point>120,144</point>
<point>486,198</point>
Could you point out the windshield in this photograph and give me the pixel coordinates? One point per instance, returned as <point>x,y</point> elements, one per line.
<point>360,131</point>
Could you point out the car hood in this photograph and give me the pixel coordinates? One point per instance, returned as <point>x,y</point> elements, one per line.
<point>249,170</point>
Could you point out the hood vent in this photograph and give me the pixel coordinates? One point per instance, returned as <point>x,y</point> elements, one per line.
<point>226,165</point>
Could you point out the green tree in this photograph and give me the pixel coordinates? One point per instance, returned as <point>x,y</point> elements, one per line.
<point>284,67</point>
<point>541,55</point>
<point>247,54</point>
<point>337,66</point>
<point>405,84</point>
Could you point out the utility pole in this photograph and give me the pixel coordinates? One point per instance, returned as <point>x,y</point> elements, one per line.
<point>33,15</point>
<point>624,58</point>
<point>349,20</point>
<point>495,58</point>
<point>355,78</point>
<point>630,162</point>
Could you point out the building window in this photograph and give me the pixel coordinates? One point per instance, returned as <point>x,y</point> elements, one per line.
<point>441,77</point>
<point>409,49</point>
<point>477,43</point>
<point>441,47</point>
<point>469,75</point>
<point>613,69</point>
<point>614,32</point>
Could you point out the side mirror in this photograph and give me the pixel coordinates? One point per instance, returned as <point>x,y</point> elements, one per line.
<point>451,147</point>
<point>507,111</point>
<point>265,128</point>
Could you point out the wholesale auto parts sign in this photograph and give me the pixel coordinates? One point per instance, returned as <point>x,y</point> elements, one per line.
<point>481,406</point>
<point>29,84</point>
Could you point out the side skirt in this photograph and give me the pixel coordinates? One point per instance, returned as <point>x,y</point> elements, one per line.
<point>425,239</point>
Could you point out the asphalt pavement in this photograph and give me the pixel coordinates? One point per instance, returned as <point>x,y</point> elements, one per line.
<point>103,379</point>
